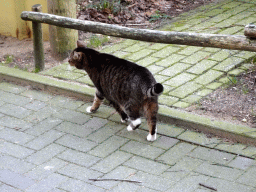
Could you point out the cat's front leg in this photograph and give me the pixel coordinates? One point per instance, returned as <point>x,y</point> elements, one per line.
<point>96,103</point>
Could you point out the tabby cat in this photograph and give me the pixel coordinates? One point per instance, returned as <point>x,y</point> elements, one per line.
<point>130,88</point>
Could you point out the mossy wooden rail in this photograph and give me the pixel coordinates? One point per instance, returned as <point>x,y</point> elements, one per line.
<point>236,42</point>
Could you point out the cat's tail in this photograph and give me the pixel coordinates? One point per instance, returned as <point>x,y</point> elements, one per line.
<point>157,89</point>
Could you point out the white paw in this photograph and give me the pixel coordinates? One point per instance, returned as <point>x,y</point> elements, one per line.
<point>136,122</point>
<point>129,128</point>
<point>151,137</point>
<point>88,109</point>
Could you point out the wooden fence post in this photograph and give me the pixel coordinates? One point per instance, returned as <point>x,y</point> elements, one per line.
<point>62,40</point>
<point>38,41</point>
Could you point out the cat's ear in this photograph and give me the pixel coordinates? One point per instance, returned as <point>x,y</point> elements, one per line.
<point>80,44</point>
<point>78,56</point>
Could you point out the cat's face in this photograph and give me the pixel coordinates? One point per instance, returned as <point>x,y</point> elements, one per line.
<point>78,59</point>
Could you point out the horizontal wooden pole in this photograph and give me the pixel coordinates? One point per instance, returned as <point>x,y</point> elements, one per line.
<point>236,42</point>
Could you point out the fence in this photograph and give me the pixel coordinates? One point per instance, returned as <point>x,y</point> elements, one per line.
<point>237,42</point>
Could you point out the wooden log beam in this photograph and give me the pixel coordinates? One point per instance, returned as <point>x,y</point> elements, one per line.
<point>236,42</point>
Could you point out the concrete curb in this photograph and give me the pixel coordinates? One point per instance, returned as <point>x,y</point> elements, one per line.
<point>237,133</point>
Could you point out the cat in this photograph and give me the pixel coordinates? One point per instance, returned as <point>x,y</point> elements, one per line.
<point>130,88</point>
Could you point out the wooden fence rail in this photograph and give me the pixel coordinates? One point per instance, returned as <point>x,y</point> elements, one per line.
<point>236,42</point>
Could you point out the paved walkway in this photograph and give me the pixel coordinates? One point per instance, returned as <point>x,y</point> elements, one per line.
<point>49,143</point>
<point>187,73</point>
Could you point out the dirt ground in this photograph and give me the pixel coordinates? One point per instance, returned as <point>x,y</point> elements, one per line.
<point>235,103</point>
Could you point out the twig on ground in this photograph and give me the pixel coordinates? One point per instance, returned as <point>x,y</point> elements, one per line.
<point>208,187</point>
<point>125,180</point>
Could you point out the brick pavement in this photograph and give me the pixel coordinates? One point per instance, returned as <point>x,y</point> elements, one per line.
<point>49,143</point>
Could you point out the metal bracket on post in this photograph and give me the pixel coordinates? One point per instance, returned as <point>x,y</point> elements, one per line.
<point>38,41</point>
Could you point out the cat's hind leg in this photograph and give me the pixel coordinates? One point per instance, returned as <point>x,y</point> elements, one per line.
<point>98,99</point>
<point>150,110</point>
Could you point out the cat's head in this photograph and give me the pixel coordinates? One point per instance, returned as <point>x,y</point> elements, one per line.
<point>77,58</point>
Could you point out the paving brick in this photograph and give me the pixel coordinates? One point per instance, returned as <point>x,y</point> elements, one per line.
<point>113,48</point>
<point>14,99</point>
<point>12,88</point>
<point>249,177</point>
<point>242,163</point>
<point>66,102</point>
<point>181,104</point>
<point>245,54</point>
<point>169,130</point>
<point>224,185</point>
<point>15,111</point>
<point>185,90</point>
<point>228,64</point>
<point>15,123</point>
<point>134,48</point>
<point>192,98</point>
<point>165,142</point>
<point>15,179</point>
<point>174,69</point>
<point>7,188</point>
<point>14,149</point>
<point>108,146</point>
<point>105,132</point>
<point>147,61</point>
<point>78,158</point>
<point>154,69</point>
<point>74,185</point>
<point>214,85</point>
<point>140,54</point>
<point>77,143</point>
<point>165,52</point>
<point>169,61</point>
<point>180,79</point>
<point>35,105</point>
<point>74,129</point>
<point>202,66</point>
<point>42,114</point>
<point>182,168</point>
<point>44,139</point>
<point>15,136</point>
<point>46,169</point>
<point>175,153</point>
<point>208,77</point>
<point>143,150</point>
<point>14,164</point>
<point>189,50</point>
<point>121,172</point>
<point>146,165</point>
<point>45,154</point>
<point>189,183</point>
<point>196,57</point>
<point>212,155</point>
<point>219,171</point>
<point>112,161</point>
<point>152,181</point>
<point>86,80</point>
<point>48,183</point>
<point>199,138</point>
<point>43,126</point>
<point>79,172</point>
<point>72,116</point>
<point>167,100</point>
